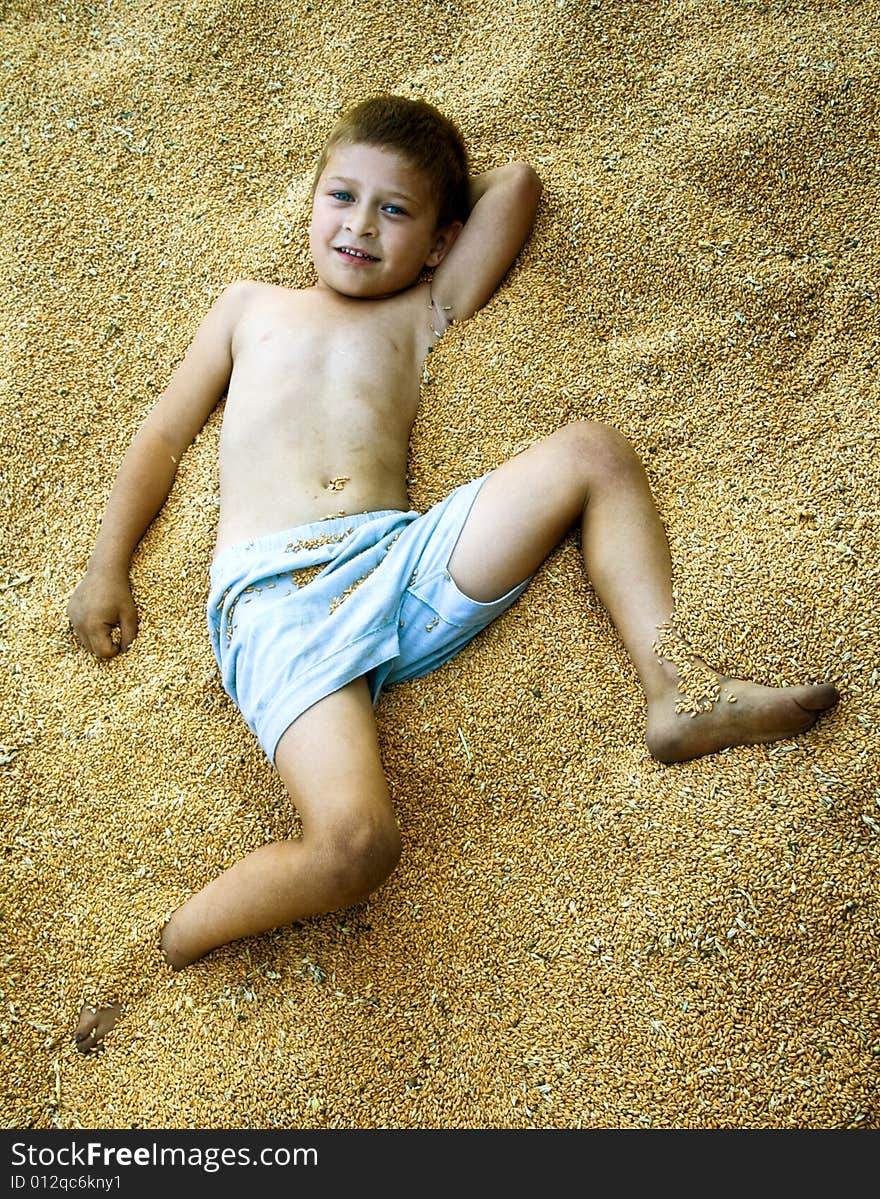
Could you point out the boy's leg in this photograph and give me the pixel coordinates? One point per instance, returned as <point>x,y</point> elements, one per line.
<point>588,473</point>
<point>329,761</point>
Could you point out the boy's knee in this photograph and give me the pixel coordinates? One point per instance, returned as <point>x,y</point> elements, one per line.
<point>360,855</point>
<point>597,448</point>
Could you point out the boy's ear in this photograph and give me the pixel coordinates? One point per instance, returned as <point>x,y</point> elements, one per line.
<point>444,240</point>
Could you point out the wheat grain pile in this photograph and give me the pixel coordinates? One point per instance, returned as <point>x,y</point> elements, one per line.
<point>577,936</point>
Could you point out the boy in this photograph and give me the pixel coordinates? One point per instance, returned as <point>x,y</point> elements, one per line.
<point>324,586</point>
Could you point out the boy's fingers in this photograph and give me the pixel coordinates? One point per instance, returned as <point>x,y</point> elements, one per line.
<point>101,642</point>
<point>98,638</point>
<point>128,627</point>
<point>82,636</point>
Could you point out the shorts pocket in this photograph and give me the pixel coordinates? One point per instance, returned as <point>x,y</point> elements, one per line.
<point>443,596</point>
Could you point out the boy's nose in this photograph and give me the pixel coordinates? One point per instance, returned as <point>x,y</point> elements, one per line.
<point>360,223</point>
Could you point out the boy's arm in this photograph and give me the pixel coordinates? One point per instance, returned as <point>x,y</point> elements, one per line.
<point>504,203</point>
<point>102,602</point>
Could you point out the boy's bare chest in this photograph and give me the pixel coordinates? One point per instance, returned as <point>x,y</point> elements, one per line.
<point>306,345</point>
<point>312,382</point>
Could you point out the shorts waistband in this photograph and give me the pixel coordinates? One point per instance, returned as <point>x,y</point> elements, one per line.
<point>316,533</point>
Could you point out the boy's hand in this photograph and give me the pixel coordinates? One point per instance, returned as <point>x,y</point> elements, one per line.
<point>101,604</point>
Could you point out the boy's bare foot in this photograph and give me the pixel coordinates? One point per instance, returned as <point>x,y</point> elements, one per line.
<point>739,713</point>
<point>94,1024</point>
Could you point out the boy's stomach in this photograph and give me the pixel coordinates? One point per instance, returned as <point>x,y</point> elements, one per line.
<point>288,460</point>
<point>255,503</point>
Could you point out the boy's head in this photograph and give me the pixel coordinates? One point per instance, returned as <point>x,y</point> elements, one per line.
<point>417,131</point>
<point>390,195</point>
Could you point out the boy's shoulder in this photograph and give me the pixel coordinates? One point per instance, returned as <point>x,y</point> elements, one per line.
<point>247,291</point>
<point>245,299</point>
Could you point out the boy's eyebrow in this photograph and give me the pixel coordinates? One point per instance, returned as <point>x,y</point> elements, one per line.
<point>392,191</point>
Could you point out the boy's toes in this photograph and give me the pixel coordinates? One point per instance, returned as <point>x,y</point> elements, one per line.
<point>93,1026</point>
<point>85,1043</point>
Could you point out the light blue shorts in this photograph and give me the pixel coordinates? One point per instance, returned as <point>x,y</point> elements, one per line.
<point>377,600</point>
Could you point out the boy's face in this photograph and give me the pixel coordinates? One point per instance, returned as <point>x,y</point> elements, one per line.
<point>374,223</point>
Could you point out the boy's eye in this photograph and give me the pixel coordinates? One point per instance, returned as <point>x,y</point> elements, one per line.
<point>345,197</point>
<point>394,210</point>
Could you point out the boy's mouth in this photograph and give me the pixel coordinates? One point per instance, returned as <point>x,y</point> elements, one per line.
<point>354,255</point>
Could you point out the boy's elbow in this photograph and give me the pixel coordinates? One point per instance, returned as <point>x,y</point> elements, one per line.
<point>526,175</point>
<point>527,182</point>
